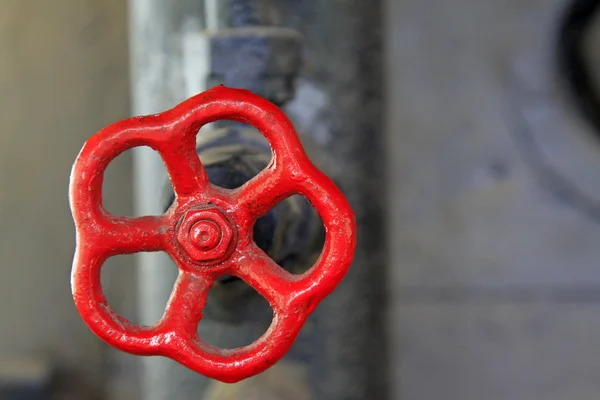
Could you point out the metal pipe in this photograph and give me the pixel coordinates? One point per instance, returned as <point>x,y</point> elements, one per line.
<point>157,83</point>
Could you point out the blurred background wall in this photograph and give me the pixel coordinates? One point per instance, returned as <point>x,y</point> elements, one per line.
<point>63,76</point>
<point>495,192</point>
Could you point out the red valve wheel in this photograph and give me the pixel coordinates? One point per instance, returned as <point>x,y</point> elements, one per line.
<point>207,232</point>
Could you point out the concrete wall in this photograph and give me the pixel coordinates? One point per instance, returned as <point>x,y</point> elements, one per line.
<point>63,75</point>
<point>495,270</point>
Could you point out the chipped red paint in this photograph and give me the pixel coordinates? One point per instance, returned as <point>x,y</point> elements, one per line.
<point>207,232</point>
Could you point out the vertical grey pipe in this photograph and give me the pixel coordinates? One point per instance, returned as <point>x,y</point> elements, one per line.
<point>157,83</point>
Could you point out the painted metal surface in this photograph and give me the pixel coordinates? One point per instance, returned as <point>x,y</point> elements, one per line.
<point>202,217</point>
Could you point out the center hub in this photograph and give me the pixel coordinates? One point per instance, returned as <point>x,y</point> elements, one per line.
<point>206,234</point>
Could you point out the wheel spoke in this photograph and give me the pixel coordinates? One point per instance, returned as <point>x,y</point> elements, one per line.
<point>125,235</point>
<point>264,191</point>
<point>184,309</point>
<point>187,173</point>
<point>259,271</point>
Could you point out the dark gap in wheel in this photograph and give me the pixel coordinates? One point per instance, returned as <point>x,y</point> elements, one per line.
<point>235,315</point>
<point>232,153</point>
<point>121,284</point>
<point>117,185</point>
<point>298,237</point>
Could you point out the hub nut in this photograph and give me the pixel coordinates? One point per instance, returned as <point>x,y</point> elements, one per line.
<point>206,234</point>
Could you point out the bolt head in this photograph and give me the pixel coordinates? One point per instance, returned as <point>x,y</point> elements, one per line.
<point>206,234</point>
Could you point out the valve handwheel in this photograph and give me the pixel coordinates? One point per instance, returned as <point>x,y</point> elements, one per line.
<point>207,232</point>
